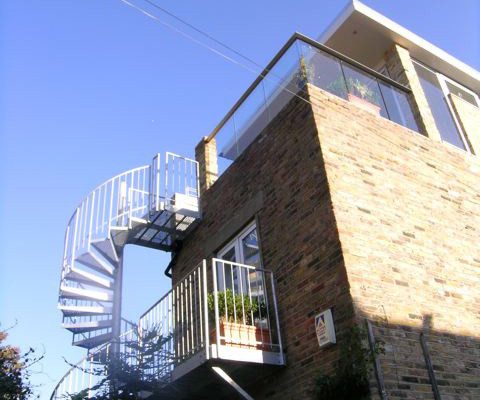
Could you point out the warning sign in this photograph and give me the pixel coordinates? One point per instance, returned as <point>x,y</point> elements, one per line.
<point>324,328</point>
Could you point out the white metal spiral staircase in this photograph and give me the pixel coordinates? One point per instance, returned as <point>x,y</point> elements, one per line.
<point>150,206</point>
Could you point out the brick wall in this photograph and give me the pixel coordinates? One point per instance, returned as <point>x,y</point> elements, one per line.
<point>362,215</point>
<point>408,214</point>
<point>280,180</point>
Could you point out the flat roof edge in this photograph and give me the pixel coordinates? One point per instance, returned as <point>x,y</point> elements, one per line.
<point>357,6</point>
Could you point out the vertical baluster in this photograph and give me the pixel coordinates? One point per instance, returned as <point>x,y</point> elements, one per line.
<point>192,343</point>
<point>97,208</point>
<point>182,316</point>
<point>259,303</point>
<point>250,294</point>
<point>241,293</point>
<point>215,300</point>
<point>205,310</point>
<point>233,294</point>
<point>104,197</point>
<point>84,364</point>
<point>90,377</point>
<point>92,210</point>
<point>110,211</point>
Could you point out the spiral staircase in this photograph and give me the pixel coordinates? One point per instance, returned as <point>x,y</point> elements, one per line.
<point>152,206</point>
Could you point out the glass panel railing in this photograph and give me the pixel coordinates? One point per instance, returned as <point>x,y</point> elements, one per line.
<point>280,83</point>
<point>398,106</point>
<point>363,90</point>
<point>323,70</point>
<point>251,118</point>
<point>226,145</point>
<point>302,62</point>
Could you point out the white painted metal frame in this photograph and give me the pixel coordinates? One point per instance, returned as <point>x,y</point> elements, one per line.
<point>442,79</point>
<point>236,243</point>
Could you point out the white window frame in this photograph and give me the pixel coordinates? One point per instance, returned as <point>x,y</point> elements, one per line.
<point>442,79</point>
<point>236,243</point>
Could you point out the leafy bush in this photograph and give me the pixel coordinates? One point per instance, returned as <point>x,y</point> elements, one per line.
<point>351,378</point>
<point>233,303</point>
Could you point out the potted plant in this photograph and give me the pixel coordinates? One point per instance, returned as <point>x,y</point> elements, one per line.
<point>239,320</point>
<point>357,92</point>
<point>305,73</point>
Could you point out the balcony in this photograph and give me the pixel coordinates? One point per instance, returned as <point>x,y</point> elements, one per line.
<point>222,315</point>
<point>304,61</point>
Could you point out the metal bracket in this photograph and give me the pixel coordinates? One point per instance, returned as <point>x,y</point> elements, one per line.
<point>220,372</point>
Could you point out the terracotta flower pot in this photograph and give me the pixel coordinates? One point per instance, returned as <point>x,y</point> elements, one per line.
<point>364,104</point>
<point>242,335</point>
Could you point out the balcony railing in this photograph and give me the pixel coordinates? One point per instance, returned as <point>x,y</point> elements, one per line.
<point>301,61</point>
<point>221,310</point>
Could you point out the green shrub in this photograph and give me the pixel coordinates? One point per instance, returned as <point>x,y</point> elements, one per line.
<point>234,306</point>
<point>351,378</point>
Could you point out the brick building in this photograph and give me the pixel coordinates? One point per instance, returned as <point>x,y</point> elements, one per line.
<point>346,179</point>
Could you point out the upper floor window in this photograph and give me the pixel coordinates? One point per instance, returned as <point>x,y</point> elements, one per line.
<point>244,249</point>
<point>437,89</point>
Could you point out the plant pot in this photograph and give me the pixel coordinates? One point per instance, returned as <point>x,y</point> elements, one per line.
<point>364,104</point>
<point>242,336</point>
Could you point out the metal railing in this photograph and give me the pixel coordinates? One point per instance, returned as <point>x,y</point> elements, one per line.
<point>301,61</point>
<point>218,305</point>
<point>90,373</point>
<point>132,194</point>
<point>180,318</point>
<point>228,304</point>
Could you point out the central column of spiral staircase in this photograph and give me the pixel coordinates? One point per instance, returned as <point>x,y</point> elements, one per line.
<point>153,206</point>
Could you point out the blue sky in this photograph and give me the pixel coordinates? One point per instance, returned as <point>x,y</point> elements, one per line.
<point>92,88</point>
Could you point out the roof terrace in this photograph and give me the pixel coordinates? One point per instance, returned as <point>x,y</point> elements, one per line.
<point>301,61</point>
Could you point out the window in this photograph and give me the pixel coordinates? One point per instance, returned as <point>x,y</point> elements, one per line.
<point>461,92</point>
<point>437,89</point>
<point>244,249</point>
<point>440,107</point>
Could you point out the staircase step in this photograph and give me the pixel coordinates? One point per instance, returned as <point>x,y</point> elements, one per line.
<point>79,275</point>
<point>137,222</point>
<point>119,236</point>
<point>106,248</point>
<point>96,262</point>
<point>87,326</point>
<point>93,342</point>
<point>85,294</point>
<point>84,310</point>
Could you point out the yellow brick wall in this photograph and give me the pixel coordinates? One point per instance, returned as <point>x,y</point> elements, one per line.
<point>408,214</point>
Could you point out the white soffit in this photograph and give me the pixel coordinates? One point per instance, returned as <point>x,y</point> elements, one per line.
<point>365,35</point>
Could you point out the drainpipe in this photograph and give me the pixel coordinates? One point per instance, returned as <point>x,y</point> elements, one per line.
<point>175,247</point>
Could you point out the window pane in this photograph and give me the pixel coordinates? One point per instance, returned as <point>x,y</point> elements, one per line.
<point>251,251</point>
<point>398,106</point>
<point>457,91</point>
<point>229,255</point>
<point>439,107</point>
<point>364,91</point>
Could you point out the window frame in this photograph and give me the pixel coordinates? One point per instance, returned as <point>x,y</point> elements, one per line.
<point>236,243</point>
<point>442,79</point>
